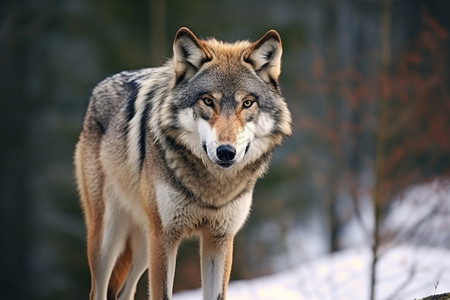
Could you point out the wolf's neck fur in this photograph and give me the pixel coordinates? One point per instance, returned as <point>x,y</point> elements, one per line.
<point>205,183</point>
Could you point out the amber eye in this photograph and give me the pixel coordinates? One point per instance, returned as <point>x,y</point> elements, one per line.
<point>208,102</point>
<point>247,103</point>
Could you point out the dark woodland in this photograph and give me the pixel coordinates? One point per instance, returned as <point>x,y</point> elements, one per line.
<point>367,81</point>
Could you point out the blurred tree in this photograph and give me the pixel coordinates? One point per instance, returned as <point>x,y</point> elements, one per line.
<point>15,153</point>
<point>158,32</point>
<point>387,129</point>
<point>413,124</point>
<point>380,198</point>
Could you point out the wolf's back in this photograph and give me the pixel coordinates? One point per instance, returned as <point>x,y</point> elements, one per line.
<point>112,97</point>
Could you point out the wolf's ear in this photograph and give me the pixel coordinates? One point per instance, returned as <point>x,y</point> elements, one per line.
<point>265,57</point>
<point>189,54</point>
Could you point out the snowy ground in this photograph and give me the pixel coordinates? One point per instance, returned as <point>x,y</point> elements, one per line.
<point>404,272</point>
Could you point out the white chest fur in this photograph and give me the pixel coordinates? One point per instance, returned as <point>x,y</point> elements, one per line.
<point>184,215</point>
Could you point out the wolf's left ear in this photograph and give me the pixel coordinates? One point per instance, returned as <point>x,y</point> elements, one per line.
<point>265,56</point>
<point>189,54</point>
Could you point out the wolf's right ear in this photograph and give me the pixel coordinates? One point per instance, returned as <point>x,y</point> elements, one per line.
<point>189,54</point>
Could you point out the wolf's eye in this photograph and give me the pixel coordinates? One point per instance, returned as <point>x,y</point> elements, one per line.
<point>247,103</point>
<point>208,102</point>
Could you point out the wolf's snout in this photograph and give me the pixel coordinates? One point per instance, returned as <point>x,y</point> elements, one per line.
<point>226,153</point>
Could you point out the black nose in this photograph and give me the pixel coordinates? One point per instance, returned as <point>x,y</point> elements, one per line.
<point>226,153</point>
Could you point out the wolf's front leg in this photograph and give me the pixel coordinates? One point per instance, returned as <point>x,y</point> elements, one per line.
<point>162,254</point>
<point>216,260</point>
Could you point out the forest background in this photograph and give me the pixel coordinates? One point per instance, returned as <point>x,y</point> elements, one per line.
<point>367,81</point>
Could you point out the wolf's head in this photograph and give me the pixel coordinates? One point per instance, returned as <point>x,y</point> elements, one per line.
<point>228,103</point>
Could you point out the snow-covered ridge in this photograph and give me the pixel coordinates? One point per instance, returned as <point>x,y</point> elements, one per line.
<point>414,261</point>
<point>404,272</point>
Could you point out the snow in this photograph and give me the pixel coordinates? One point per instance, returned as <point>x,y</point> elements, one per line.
<point>404,272</point>
<point>414,262</point>
<point>422,215</point>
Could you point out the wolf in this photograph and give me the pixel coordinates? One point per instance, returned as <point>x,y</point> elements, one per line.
<point>175,151</point>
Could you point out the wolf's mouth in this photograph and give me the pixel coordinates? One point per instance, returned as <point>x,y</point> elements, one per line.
<point>204,147</point>
<point>224,165</point>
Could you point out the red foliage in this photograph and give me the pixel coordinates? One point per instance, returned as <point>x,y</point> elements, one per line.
<point>417,96</point>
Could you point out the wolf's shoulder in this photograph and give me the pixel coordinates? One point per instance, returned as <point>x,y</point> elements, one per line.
<point>117,93</point>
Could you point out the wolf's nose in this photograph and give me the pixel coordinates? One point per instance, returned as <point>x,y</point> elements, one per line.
<point>226,153</point>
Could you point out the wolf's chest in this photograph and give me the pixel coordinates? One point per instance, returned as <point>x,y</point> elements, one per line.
<point>186,216</point>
